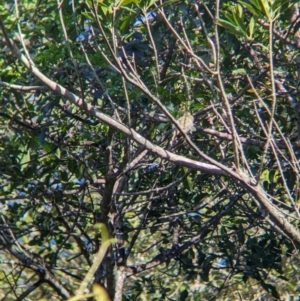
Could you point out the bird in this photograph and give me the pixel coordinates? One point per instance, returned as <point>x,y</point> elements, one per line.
<point>186,122</point>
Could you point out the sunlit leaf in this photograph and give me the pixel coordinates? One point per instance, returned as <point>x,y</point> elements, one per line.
<point>231,27</point>
<point>251,27</point>
<point>266,8</point>
<point>99,292</point>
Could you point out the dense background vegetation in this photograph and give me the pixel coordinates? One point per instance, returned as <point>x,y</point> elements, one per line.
<point>90,95</point>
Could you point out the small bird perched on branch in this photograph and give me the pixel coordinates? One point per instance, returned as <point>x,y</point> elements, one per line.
<point>186,122</point>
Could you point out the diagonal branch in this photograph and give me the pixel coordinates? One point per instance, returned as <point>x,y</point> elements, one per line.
<point>275,218</point>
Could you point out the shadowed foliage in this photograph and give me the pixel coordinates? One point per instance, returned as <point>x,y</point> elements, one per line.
<point>91,93</point>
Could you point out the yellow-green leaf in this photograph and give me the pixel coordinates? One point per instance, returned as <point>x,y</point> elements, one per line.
<point>100,293</point>
<point>251,27</point>
<point>240,11</point>
<point>266,7</point>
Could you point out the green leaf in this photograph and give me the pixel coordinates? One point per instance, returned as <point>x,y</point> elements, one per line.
<point>166,4</point>
<point>241,71</point>
<point>240,11</point>
<point>251,27</point>
<point>229,16</point>
<point>257,4</point>
<point>266,8</point>
<point>126,2</point>
<point>251,8</point>
<point>151,3</point>
<point>47,147</point>
<point>126,22</point>
<point>238,18</point>
<point>25,159</point>
<point>58,153</point>
<point>230,27</point>
<point>188,183</point>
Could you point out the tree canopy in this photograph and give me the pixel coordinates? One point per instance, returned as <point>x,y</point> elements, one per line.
<point>161,137</point>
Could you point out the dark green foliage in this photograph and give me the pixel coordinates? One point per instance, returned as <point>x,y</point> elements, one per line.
<point>183,233</point>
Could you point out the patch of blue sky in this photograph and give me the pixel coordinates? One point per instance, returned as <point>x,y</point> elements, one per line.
<point>79,182</point>
<point>149,16</point>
